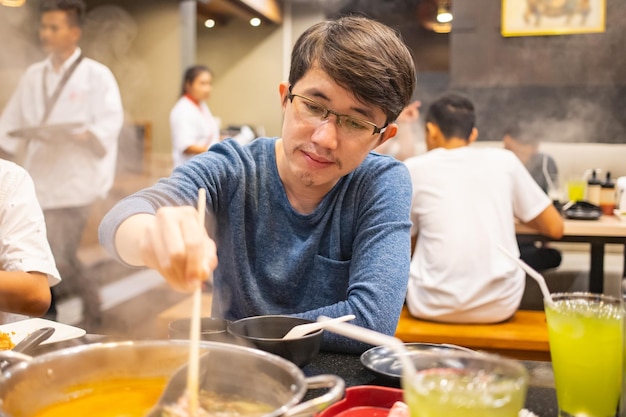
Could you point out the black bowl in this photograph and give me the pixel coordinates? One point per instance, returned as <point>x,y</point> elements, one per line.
<point>266,332</point>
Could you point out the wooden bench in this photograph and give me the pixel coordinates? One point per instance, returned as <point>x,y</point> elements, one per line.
<point>524,336</point>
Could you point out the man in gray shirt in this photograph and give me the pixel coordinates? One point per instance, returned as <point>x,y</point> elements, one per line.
<point>312,223</point>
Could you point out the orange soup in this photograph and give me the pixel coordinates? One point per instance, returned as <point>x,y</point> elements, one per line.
<point>115,397</point>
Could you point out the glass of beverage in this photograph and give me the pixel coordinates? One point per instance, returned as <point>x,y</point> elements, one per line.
<point>622,401</point>
<point>465,385</point>
<point>586,344</point>
<point>576,189</point>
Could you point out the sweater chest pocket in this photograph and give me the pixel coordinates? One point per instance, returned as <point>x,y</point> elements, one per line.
<point>330,278</point>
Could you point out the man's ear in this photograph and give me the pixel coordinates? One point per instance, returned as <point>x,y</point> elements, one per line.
<point>432,135</point>
<point>390,132</point>
<point>77,32</point>
<point>473,136</point>
<point>283,89</point>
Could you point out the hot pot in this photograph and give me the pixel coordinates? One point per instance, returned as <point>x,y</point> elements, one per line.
<point>30,384</point>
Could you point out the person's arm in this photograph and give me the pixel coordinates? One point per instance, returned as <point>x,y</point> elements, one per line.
<point>549,223</point>
<point>26,264</point>
<point>531,205</point>
<point>25,293</point>
<point>379,268</point>
<point>107,118</point>
<point>195,149</point>
<point>158,227</point>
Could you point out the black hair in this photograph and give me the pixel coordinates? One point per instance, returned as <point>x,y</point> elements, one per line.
<point>524,136</point>
<point>75,10</point>
<point>454,114</point>
<point>192,73</point>
<point>365,57</point>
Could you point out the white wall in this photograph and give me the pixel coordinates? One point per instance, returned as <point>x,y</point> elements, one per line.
<point>573,159</point>
<point>248,67</point>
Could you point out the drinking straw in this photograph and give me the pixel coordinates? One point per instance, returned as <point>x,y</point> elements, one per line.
<point>375,338</point>
<point>533,274</point>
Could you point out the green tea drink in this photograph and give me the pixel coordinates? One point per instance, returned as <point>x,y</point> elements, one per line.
<point>586,345</point>
<point>476,387</point>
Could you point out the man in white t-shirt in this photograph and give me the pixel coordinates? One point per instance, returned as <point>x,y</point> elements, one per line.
<point>69,111</point>
<point>465,202</point>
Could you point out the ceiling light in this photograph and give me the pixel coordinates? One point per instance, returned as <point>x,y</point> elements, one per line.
<point>12,3</point>
<point>444,15</point>
<point>255,21</point>
<point>444,11</point>
<point>210,23</point>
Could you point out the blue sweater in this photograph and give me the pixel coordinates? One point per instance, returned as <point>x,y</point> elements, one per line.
<point>350,255</point>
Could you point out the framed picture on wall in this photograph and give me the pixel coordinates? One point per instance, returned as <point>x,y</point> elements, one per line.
<point>552,17</point>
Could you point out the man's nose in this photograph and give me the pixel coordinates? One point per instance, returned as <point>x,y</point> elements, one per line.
<point>326,133</point>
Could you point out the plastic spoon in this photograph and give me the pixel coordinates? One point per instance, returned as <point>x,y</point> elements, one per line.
<point>533,274</point>
<point>33,340</point>
<point>374,338</point>
<point>302,329</point>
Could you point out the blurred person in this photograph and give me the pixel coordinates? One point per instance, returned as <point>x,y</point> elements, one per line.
<point>309,224</point>
<point>193,127</point>
<point>72,164</point>
<point>27,268</point>
<point>544,171</point>
<point>404,144</point>
<point>465,201</point>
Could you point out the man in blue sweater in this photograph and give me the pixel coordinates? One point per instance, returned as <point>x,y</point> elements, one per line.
<point>309,224</point>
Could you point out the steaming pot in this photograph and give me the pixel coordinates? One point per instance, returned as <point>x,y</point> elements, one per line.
<point>29,384</point>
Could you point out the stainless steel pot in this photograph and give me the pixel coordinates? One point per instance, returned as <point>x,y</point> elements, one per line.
<point>29,384</point>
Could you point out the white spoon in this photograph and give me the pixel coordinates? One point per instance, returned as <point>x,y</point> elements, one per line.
<point>374,338</point>
<point>302,329</point>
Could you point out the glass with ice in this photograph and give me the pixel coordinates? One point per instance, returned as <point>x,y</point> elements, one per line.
<point>587,348</point>
<point>465,385</point>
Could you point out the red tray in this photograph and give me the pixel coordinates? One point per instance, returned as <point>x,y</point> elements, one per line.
<point>364,401</point>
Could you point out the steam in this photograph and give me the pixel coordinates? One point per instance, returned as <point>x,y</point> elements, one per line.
<point>19,47</point>
<point>108,38</point>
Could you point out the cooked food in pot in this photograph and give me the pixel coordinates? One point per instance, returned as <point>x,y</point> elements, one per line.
<point>213,405</point>
<point>115,397</point>
<point>134,397</point>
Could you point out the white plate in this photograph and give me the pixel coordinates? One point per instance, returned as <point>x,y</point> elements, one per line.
<point>20,329</point>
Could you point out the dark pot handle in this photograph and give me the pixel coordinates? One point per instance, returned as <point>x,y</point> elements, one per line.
<point>335,393</point>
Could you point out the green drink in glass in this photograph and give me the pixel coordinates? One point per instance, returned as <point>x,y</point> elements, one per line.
<point>586,344</point>
<point>465,385</point>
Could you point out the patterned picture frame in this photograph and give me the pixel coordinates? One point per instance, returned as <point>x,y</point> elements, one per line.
<point>552,17</point>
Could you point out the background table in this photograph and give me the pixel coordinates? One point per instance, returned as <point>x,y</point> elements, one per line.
<point>607,229</point>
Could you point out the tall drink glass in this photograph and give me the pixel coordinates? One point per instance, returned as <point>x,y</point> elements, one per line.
<point>465,385</point>
<point>586,345</point>
<point>622,401</point>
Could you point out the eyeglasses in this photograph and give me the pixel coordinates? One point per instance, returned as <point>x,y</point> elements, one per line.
<point>311,111</point>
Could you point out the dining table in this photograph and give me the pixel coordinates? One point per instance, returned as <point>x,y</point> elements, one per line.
<point>540,398</point>
<point>597,233</point>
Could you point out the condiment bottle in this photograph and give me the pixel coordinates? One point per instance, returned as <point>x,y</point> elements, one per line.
<point>593,189</point>
<point>607,195</point>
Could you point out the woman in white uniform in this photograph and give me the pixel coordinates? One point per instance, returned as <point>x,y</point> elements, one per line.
<point>194,129</point>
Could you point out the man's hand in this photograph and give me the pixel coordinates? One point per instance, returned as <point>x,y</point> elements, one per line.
<point>172,242</point>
